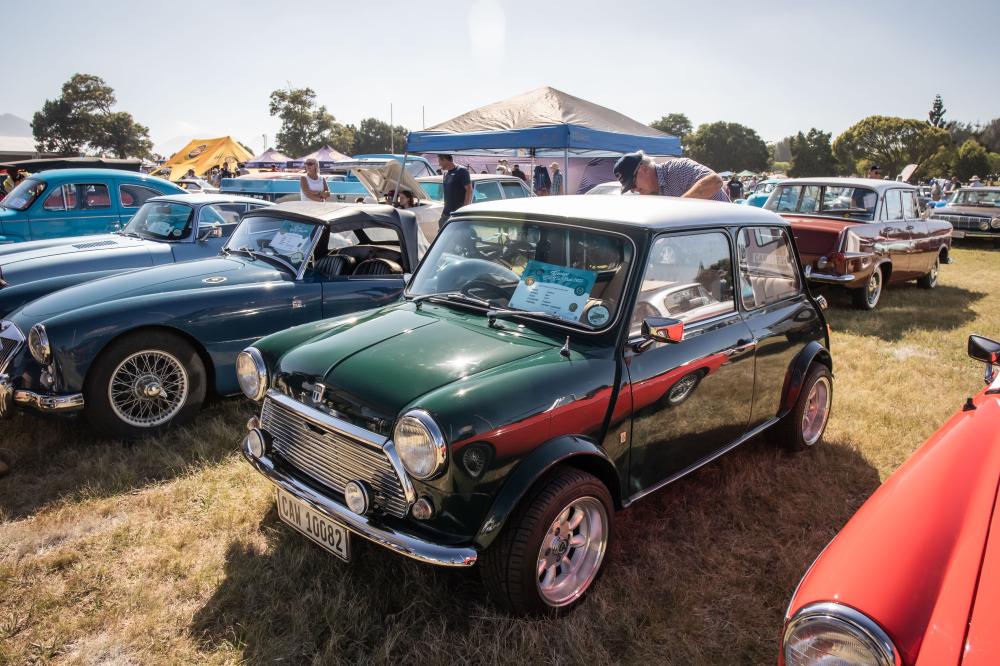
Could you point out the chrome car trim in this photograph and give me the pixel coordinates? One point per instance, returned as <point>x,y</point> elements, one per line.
<point>404,544</point>
<point>870,629</point>
<point>11,341</point>
<point>440,446</point>
<point>408,490</point>
<point>343,428</point>
<point>827,277</point>
<point>70,402</point>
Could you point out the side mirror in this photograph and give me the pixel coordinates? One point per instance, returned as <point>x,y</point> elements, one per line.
<point>213,230</point>
<point>663,329</point>
<point>987,351</point>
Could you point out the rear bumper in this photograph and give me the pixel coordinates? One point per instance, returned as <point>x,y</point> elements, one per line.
<point>829,278</point>
<point>45,403</point>
<point>405,544</point>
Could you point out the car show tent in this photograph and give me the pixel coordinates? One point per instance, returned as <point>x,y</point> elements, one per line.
<point>269,159</point>
<point>203,154</point>
<point>326,156</point>
<point>543,123</point>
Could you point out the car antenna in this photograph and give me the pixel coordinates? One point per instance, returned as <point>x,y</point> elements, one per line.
<point>565,348</point>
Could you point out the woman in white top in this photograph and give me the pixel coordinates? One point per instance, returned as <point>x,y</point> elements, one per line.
<point>313,185</point>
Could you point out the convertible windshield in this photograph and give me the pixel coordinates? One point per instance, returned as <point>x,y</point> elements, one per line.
<point>977,198</point>
<point>159,220</point>
<point>288,241</point>
<point>565,272</point>
<point>24,194</point>
<point>856,203</point>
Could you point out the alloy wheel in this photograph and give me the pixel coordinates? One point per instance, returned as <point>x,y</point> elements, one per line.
<point>817,411</point>
<point>572,551</point>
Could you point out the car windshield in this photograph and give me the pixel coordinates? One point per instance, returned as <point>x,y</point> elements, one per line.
<point>418,169</point>
<point>856,203</point>
<point>764,188</point>
<point>559,272</point>
<point>433,190</point>
<point>287,241</point>
<point>977,198</point>
<point>24,194</point>
<point>160,220</point>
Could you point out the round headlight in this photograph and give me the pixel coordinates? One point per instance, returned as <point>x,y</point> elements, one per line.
<point>420,444</point>
<point>995,223</point>
<point>38,344</point>
<point>251,371</point>
<point>832,633</point>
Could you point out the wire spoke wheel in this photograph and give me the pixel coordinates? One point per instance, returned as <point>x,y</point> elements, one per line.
<point>148,388</point>
<point>572,551</point>
<point>817,411</point>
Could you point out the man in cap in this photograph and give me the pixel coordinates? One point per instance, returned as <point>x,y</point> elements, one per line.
<point>679,177</point>
<point>875,172</point>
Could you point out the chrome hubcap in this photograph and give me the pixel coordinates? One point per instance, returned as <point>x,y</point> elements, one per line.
<point>934,271</point>
<point>148,388</point>
<point>874,287</point>
<point>817,411</point>
<point>572,551</point>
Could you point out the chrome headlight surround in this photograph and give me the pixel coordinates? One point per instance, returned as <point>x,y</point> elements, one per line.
<point>251,372</point>
<point>38,344</point>
<point>995,223</point>
<point>420,444</point>
<point>831,623</point>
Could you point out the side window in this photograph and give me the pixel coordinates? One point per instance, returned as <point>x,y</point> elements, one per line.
<point>893,205</point>
<point>688,277</point>
<point>909,205</point>
<point>513,190</point>
<point>94,197</point>
<point>61,198</point>
<point>768,271</point>
<point>486,191</point>
<point>788,199</point>
<point>224,213</point>
<point>133,196</point>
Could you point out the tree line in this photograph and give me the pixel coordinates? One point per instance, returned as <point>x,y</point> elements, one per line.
<point>82,120</point>
<point>940,148</point>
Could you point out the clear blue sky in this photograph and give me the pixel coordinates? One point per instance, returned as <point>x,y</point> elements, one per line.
<point>206,68</point>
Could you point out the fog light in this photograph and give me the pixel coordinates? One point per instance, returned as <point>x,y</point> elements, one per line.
<point>984,226</point>
<point>254,443</point>
<point>356,496</point>
<point>253,423</point>
<point>422,509</point>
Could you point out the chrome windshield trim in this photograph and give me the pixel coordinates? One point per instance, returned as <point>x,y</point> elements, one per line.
<point>349,430</point>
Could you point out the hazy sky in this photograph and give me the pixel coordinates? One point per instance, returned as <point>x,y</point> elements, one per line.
<point>189,69</point>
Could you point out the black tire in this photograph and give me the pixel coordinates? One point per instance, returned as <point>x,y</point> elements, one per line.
<point>181,372</point>
<point>867,297</point>
<point>789,432</point>
<point>510,566</point>
<point>930,280</point>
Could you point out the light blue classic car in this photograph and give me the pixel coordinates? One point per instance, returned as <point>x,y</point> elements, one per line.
<point>76,202</point>
<point>167,229</point>
<point>761,192</point>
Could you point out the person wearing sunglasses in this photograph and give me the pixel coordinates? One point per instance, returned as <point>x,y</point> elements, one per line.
<point>680,177</point>
<point>875,172</point>
<point>313,185</point>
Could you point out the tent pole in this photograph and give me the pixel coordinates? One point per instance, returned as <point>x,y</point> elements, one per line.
<point>395,191</point>
<point>565,171</point>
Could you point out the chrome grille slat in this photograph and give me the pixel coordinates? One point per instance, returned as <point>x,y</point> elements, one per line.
<point>11,340</point>
<point>964,222</point>
<point>330,458</point>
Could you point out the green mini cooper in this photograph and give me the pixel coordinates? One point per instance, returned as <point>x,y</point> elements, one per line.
<point>552,361</point>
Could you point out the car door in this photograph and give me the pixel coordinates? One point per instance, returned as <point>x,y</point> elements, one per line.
<point>74,209</point>
<point>897,236</point>
<point>923,249</point>
<point>344,290</point>
<point>779,313</point>
<point>691,399</point>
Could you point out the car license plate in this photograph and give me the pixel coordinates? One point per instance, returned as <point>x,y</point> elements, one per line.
<point>317,526</point>
<point>955,233</point>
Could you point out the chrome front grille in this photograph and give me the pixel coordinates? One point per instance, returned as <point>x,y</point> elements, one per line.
<point>311,445</point>
<point>11,340</point>
<point>964,222</point>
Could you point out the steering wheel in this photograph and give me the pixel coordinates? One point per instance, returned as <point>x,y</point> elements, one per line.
<point>476,285</point>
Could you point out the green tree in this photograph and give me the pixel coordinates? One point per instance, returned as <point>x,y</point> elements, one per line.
<point>994,164</point>
<point>375,136</point>
<point>940,164</point>
<point>728,146</point>
<point>989,136</point>
<point>891,142</point>
<point>811,155</point>
<point>306,127</point>
<point>81,119</point>
<point>676,124</point>
<point>971,160</point>
<point>936,115</point>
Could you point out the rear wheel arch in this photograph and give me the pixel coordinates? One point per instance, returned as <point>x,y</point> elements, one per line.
<point>798,370</point>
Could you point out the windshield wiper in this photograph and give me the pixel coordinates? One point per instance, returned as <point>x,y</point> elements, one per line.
<point>131,234</point>
<point>453,296</point>
<point>506,313</point>
<point>246,250</point>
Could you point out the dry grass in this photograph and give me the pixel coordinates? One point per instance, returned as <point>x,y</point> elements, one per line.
<point>169,551</point>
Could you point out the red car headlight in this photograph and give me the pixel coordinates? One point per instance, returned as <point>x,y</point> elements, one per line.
<point>833,633</point>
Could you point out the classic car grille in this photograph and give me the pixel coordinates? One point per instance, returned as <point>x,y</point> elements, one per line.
<point>10,341</point>
<point>331,458</point>
<point>965,222</point>
<point>86,246</point>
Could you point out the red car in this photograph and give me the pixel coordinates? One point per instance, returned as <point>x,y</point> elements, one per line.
<point>914,576</point>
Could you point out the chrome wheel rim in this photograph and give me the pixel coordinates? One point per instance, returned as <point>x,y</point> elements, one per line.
<point>934,272</point>
<point>572,551</point>
<point>148,388</point>
<point>817,411</point>
<point>874,288</point>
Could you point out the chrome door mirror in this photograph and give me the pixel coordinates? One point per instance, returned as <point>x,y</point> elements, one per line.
<point>985,350</point>
<point>213,230</point>
<point>663,329</point>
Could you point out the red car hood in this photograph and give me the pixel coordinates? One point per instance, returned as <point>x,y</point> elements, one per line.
<point>911,557</point>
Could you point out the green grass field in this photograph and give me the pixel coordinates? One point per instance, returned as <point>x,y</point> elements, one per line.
<point>170,550</point>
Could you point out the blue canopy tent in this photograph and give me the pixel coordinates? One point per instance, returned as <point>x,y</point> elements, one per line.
<point>546,122</point>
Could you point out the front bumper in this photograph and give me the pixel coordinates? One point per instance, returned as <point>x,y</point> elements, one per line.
<point>45,403</point>
<point>413,547</point>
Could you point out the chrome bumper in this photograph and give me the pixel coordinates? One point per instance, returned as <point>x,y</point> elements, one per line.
<point>49,404</point>
<point>829,279</point>
<point>418,549</point>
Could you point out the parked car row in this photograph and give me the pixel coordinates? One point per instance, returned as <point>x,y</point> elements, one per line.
<point>496,396</point>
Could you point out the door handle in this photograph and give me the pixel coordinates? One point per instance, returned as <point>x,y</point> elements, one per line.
<point>742,347</point>
<point>909,227</point>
